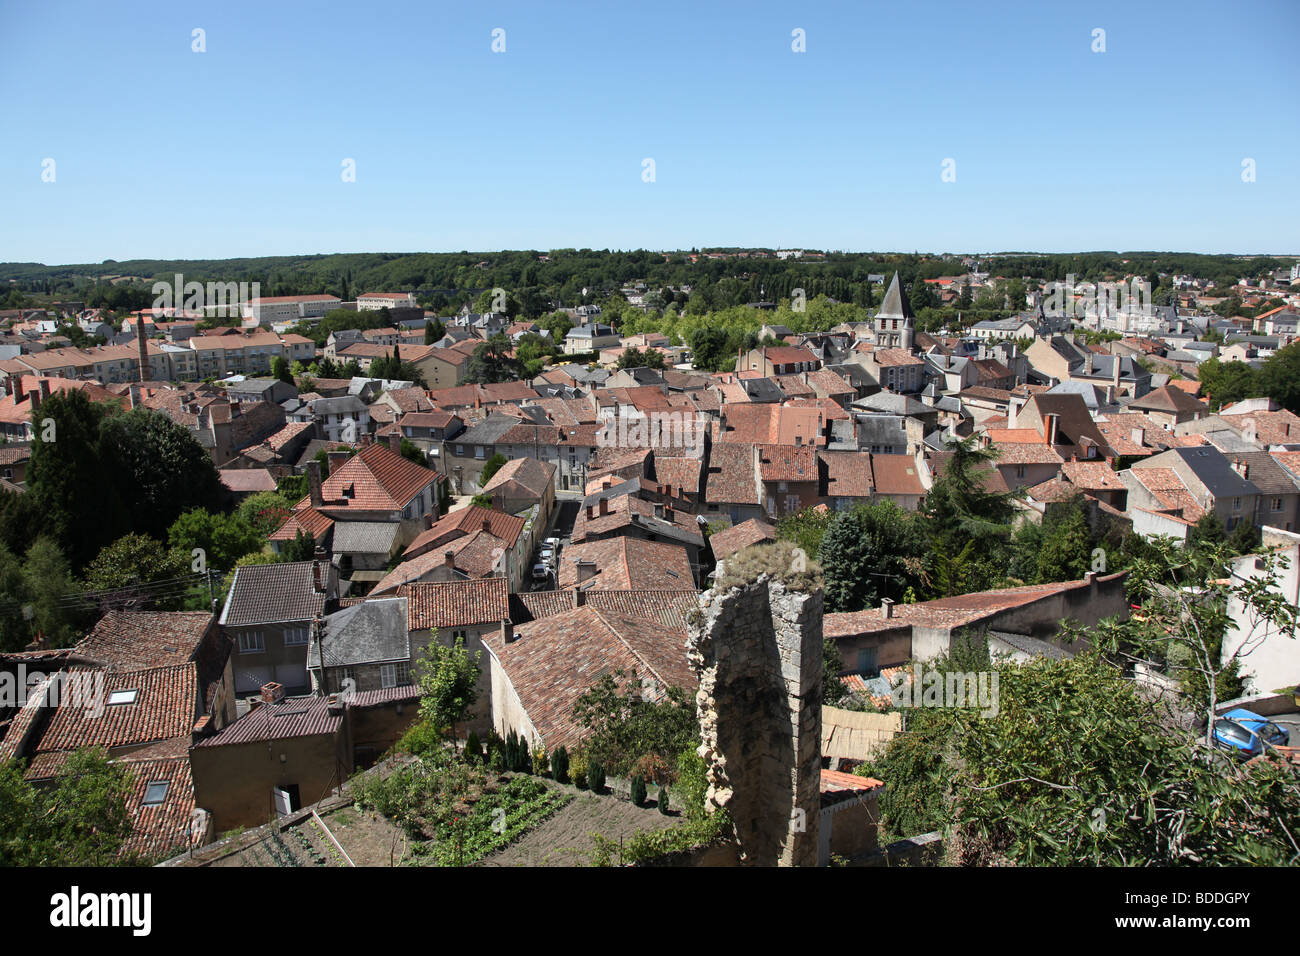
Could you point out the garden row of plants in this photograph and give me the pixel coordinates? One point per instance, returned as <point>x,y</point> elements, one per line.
<point>513,754</point>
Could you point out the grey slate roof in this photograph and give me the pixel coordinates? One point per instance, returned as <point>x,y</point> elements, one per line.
<point>1215,471</point>
<point>371,632</point>
<point>364,537</point>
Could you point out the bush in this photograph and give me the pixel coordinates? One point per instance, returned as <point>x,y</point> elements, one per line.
<point>421,739</point>
<point>638,791</point>
<point>692,784</point>
<point>578,769</point>
<point>560,765</point>
<point>653,769</point>
<point>473,749</point>
<point>541,763</point>
<point>661,800</point>
<point>595,777</point>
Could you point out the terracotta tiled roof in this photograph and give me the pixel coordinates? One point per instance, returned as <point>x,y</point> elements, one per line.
<point>731,477</point>
<point>553,661</point>
<point>771,425</point>
<point>159,829</point>
<point>945,613</point>
<point>291,717</point>
<point>627,563</point>
<point>305,519</point>
<point>140,639</point>
<point>895,357</point>
<point>476,555</point>
<point>467,521</point>
<point>379,478</point>
<point>730,540</point>
<point>165,706</point>
<point>848,474</point>
<point>1092,476</point>
<point>787,463</point>
<point>679,473</point>
<point>456,604</point>
<point>896,475</point>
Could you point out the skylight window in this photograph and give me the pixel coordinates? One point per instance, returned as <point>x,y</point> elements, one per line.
<point>155,793</point>
<point>123,696</point>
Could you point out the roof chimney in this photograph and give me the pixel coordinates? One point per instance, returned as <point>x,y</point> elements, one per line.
<point>35,397</point>
<point>449,559</point>
<point>604,506</point>
<point>395,442</point>
<point>314,484</point>
<point>44,385</point>
<point>586,569</point>
<point>507,632</point>
<point>318,571</point>
<point>886,607</point>
<point>1053,421</point>
<point>272,693</point>
<point>143,354</point>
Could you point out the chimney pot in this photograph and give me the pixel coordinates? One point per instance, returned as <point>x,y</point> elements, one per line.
<point>449,559</point>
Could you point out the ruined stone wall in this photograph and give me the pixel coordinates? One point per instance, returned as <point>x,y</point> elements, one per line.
<point>757,649</point>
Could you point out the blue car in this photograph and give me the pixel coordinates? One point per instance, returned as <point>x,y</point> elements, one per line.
<point>1246,733</point>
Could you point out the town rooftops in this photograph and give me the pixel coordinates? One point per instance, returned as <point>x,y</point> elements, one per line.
<point>946,613</point>
<point>626,563</point>
<point>139,639</point>
<point>291,717</point>
<point>552,661</point>
<point>456,603</point>
<point>271,593</point>
<point>730,540</point>
<point>371,632</point>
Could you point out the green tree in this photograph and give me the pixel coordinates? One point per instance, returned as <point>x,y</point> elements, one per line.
<point>871,552</point>
<point>623,727</point>
<point>51,593</point>
<point>265,511</point>
<point>82,820</point>
<point>135,559</point>
<point>433,331</point>
<point>280,369</point>
<point>491,467</point>
<point>1076,768</point>
<point>448,680</point>
<point>224,539</point>
<point>969,526</point>
<point>491,362</point>
<point>1279,378</point>
<point>1066,546</point>
<point>805,528</point>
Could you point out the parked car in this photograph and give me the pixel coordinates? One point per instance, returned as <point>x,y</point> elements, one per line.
<point>541,572</point>
<point>552,543</point>
<point>1246,733</point>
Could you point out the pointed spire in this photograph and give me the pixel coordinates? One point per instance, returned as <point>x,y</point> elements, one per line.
<point>895,305</point>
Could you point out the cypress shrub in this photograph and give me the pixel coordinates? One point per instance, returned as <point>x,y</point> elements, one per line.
<point>662,800</point>
<point>638,791</point>
<point>560,765</point>
<point>595,777</point>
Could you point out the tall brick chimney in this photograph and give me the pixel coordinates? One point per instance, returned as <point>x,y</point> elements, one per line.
<point>314,484</point>
<point>144,352</point>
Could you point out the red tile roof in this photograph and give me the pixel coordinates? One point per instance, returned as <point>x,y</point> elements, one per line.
<point>456,604</point>
<point>553,661</point>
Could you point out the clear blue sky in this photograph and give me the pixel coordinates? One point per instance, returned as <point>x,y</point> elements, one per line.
<point>161,152</point>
